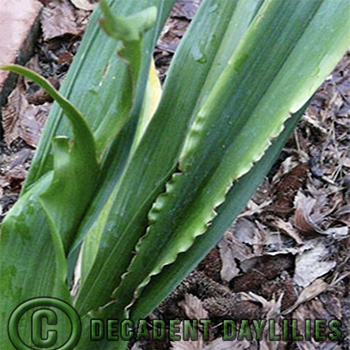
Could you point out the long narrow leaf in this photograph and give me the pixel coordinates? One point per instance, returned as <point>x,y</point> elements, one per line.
<point>94,73</point>
<point>43,222</point>
<point>218,150</point>
<point>163,284</point>
<point>154,159</point>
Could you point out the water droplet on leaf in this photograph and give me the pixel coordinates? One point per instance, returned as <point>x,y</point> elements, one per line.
<point>198,55</point>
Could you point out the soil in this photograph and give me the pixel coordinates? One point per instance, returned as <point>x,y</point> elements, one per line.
<point>285,257</point>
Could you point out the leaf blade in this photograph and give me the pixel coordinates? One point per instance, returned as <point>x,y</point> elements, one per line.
<point>184,211</point>
<point>143,174</point>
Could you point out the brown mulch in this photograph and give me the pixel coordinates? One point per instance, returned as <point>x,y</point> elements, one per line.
<point>285,257</point>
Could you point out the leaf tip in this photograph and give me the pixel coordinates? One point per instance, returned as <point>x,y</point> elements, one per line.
<point>9,67</point>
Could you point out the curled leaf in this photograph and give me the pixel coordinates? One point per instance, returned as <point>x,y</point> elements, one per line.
<point>127,29</point>
<point>76,168</point>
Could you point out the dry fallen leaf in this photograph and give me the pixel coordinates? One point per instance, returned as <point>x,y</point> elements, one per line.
<point>33,123</point>
<point>137,346</point>
<point>16,169</point>
<point>193,307</point>
<point>245,231</point>
<point>311,264</point>
<point>186,345</point>
<point>194,310</point>
<point>186,8</point>
<point>84,4</point>
<point>313,310</point>
<point>287,188</point>
<point>272,310</point>
<point>22,120</point>
<point>287,227</point>
<point>310,292</point>
<point>306,218</point>
<point>58,19</point>
<point>231,249</point>
<point>171,35</point>
<point>313,216</point>
<point>11,113</point>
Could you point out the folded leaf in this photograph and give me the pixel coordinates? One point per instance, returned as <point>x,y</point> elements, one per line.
<point>127,29</point>
<point>125,216</point>
<point>163,284</point>
<point>95,84</point>
<point>56,205</point>
<point>250,101</point>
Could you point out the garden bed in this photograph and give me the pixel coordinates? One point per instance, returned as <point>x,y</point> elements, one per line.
<point>285,257</point>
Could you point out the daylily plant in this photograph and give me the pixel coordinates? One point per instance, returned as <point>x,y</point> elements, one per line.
<point>130,186</point>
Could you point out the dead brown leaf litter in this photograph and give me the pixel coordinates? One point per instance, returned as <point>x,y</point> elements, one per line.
<point>286,257</point>
<point>61,18</point>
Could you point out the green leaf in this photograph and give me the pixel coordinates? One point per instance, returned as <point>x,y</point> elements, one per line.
<point>90,247</point>
<point>96,85</point>
<point>24,244</point>
<point>46,218</point>
<point>154,159</point>
<point>76,169</point>
<point>127,29</point>
<point>270,76</point>
<point>238,196</point>
<point>133,54</point>
<point>168,187</point>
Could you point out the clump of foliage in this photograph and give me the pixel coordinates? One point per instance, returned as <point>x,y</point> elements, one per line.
<point>140,188</point>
